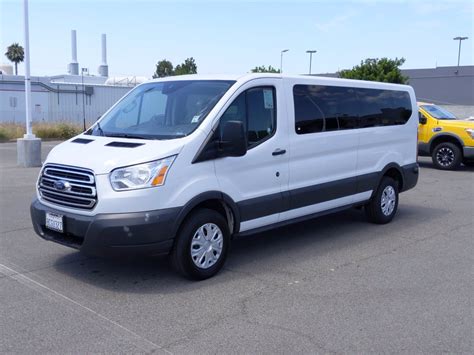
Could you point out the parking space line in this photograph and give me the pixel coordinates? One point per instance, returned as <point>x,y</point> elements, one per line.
<point>144,344</point>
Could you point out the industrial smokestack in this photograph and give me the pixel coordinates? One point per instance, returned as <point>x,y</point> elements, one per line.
<point>104,68</point>
<point>73,67</point>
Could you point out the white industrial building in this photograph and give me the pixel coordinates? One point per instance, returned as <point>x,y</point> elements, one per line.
<point>69,97</point>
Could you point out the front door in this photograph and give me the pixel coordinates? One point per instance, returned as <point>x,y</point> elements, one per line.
<point>424,129</point>
<point>256,180</point>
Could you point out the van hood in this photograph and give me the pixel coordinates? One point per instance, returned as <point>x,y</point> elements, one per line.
<point>457,123</point>
<point>103,154</point>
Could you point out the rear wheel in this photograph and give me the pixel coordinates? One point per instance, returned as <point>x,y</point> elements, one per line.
<point>446,156</point>
<point>384,204</point>
<point>201,246</point>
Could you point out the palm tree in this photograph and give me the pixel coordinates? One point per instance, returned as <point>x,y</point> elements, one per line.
<point>15,54</point>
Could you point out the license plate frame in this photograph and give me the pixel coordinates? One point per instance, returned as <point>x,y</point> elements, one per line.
<point>54,222</point>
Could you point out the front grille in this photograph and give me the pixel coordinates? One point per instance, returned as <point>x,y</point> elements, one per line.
<point>79,191</point>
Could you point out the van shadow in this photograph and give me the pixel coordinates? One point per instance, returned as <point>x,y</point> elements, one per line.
<point>256,253</point>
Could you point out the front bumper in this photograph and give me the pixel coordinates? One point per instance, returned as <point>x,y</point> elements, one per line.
<point>150,232</point>
<point>468,153</point>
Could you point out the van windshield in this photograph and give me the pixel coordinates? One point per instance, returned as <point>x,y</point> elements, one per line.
<point>438,112</point>
<point>162,110</point>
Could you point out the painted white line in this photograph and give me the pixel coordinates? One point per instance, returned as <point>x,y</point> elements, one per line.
<point>144,344</point>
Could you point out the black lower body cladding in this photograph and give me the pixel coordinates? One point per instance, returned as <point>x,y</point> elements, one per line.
<point>153,232</point>
<point>310,195</point>
<point>150,232</point>
<point>410,176</point>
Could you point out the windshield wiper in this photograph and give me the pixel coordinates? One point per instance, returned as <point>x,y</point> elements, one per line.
<point>126,135</point>
<point>99,128</point>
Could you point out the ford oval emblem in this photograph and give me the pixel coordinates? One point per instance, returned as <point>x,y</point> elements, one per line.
<point>61,185</point>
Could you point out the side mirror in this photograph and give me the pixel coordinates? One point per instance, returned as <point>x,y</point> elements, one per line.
<point>421,118</point>
<point>233,142</point>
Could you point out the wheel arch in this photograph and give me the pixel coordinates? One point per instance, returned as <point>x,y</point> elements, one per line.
<point>445,137</point>
<point>215,200</point>
<point>394,171</point>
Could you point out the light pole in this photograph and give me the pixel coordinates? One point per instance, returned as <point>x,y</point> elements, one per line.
<point>281,59</point>
<point>28,147</point>
<point>310,51</point>
<point>83,70</point>
<point>460,39</point>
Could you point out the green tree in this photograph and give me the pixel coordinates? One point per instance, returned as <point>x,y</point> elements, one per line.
<point>374,69</point>
<point>163,68</point>
<point>188,67</point>
<point>264,69</point>
<point>15,54</point>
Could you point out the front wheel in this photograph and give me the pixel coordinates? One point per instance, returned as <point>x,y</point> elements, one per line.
<point>201,246</point>
<point>446,156</point>
<point>384,204</point>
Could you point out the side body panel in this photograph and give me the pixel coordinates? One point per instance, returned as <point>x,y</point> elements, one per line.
<point>380,146</point>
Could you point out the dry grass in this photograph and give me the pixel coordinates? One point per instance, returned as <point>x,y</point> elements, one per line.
<point>61,130</point>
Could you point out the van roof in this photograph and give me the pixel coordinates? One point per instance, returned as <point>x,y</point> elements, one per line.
<point>219,76</point>
<point>250,76</point>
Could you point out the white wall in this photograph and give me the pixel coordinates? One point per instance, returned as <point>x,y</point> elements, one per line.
<point>51,106</point>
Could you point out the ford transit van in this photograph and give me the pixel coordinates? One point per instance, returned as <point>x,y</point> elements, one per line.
<point>180,165</point>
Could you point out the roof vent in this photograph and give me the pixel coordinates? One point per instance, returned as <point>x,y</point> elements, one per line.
<point>124,144</point>
<point>82,140</point>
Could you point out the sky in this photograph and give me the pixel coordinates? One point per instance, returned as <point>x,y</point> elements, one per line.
<point>232,37</point>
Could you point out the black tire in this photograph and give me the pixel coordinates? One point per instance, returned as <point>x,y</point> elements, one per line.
<point>374,210</point>
<point>446,156</point>
<point>181,253</point>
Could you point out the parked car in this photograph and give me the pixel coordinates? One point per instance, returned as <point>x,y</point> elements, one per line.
<point>447,139</point>
<point>181,164</point>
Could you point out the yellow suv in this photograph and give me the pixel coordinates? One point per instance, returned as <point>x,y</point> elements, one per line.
<point>447,139</point>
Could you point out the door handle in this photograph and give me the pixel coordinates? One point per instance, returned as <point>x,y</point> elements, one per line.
<point>279,152</point>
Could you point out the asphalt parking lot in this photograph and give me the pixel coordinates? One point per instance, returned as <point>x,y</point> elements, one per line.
<point>331,285</point>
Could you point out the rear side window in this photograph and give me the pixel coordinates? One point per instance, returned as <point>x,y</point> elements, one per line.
<point>324,108</point>
<point>321,108</point>
<point>256,108</point>
<point>383,107</point>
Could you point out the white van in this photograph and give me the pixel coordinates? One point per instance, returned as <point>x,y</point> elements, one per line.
<point>182,164</point>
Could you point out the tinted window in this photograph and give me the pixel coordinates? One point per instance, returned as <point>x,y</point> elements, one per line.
<point>256,108</point>
<point>328,108</point>
<point>383,107</point>
<point>324,108</point>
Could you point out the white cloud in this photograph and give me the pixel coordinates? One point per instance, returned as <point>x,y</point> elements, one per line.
<point>435,7</point>
<point>337,21</point>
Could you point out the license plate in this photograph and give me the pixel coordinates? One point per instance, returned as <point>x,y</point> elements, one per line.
<point>54,222</point>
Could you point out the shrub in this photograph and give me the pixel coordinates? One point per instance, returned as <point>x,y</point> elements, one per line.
<point>10,131</point>
<point>3,134</point>
<point>55,131</point>
<point>67,131</point>
<point>62,130</point>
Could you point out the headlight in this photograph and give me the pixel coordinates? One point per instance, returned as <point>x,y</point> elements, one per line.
<point>470,131</point>
<point>142,175</point>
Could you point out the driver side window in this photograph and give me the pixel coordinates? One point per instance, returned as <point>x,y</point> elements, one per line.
<point>256,109</point>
